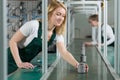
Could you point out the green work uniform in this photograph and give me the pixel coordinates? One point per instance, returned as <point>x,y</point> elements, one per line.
<point>30,51</point>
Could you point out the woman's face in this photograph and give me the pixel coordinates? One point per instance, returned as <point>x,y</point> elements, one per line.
<point>93,23</point>
<point>58,16</point>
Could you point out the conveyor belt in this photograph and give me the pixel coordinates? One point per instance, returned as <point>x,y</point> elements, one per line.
<point>97,69</point>
<point>64,71</point>
<point>110,55</point>
<point>32,74</point>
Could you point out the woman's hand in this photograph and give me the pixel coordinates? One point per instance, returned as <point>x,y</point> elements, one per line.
<point>25,65</point>
<point>100,44</point>
<point>88,43</point>
<point>87,67</point>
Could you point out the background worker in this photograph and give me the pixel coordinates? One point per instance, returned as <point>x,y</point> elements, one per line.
<point>93,20</point>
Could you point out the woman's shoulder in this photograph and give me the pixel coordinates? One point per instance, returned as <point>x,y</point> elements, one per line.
<point>107,26</point>
<point>30,26</point>
<point>33,24</point>
<point>33,21</point>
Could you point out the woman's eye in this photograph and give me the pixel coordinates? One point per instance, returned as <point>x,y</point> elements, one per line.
<point>58,14</point>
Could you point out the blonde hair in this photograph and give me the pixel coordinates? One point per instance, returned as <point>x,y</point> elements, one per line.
<point>51,7</point>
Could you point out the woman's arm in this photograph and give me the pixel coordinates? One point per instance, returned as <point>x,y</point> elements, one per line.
<point>110,35</point>
<point>18,36</point>
<point>94,40</point>
<point>66,55</point>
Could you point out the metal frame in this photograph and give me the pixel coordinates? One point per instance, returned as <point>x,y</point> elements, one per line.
<point>105,20</point>
<point>98,3</point>
<point>117,61</point>
<point>50,69</point>
<point>73,23</point>
<point>44,41</point>
<point>3,40</point>
<point>68,24</point>
<point>84,2</point>
<point>99,33</point>
<point>45,70</point>
<point>88,9</point>
<point>117,35</point>
<point>108,65</point>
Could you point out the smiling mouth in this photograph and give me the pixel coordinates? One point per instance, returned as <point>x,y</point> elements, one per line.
<point>59,21</point>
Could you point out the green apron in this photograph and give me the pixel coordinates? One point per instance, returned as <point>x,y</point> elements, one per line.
<point>30,51</point>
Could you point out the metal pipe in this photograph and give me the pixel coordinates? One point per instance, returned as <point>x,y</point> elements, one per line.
<point>65,37</point>
<point>73,23</point>
<point>3,40</point>
<point>82,7</point>
<point>99,24</point>
<point>68,27</point>
<point>84,2</point>
<point>85,7</point>
<point>105,24</point>
<point>117,35</point>
<point>44,35</point>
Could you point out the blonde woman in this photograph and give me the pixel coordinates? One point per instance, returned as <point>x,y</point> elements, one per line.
<point>26,43</point>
